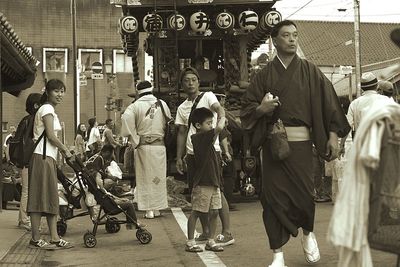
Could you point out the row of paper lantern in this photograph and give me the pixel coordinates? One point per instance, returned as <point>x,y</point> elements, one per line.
<point>199,22</point>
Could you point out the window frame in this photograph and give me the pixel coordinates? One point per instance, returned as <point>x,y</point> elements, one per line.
<point>52,49</point>
<point>89,50</point>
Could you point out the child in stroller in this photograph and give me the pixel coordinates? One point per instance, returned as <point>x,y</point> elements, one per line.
<point>92,175</point>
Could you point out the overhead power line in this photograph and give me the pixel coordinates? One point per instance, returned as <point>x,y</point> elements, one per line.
<point>299,9</point>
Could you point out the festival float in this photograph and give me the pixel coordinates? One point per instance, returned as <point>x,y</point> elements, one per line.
<point>217,37</point>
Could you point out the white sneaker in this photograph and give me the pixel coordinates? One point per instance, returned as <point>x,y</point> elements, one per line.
<point>149,214</point>
<point>278,261</point>
<point>310,248</point>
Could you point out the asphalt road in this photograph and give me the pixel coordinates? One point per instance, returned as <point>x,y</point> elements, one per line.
<point>167,246</point>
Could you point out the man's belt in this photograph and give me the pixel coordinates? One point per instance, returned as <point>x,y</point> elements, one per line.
<point>151,140</point>
<point>296,134</point>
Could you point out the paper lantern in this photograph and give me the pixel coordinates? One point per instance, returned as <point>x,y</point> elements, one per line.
<point>127,25</point>
<point>152,23</point>
<point>199,22</point>
<point>248,20</point>
<point>225,21</point>
<point>270,19</point>
<point>177,22</point>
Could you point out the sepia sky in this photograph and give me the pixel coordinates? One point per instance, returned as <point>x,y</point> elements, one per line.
<point>370,10</point>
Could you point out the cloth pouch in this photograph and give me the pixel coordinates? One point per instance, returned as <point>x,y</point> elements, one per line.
<point>279,143</point>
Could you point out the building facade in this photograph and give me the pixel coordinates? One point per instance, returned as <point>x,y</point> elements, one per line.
<point>46,28</point>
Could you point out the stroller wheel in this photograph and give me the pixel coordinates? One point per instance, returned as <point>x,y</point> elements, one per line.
<point>143,236</point>
<point>112,226</point>
<point>61,228</point>
<point>90,240</point>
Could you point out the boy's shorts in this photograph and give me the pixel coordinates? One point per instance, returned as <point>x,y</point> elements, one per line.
<point>205,198</point>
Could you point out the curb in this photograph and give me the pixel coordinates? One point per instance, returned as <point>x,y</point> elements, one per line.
<point>21,255</point>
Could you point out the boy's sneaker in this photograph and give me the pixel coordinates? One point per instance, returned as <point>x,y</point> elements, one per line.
<point>41,244</point>
<point>224,240</point>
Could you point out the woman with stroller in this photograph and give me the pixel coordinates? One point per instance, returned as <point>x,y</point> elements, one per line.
<point>42,189</point>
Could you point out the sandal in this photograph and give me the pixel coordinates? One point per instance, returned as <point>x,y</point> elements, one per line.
<point>194,248</point>
<point>214,247</point>
<point>311,254</point>
<point>41,244</point>
<point>62,244</point>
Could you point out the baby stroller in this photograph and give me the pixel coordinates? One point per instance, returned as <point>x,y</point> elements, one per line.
<point>108,207</point>
<point>70,199</point>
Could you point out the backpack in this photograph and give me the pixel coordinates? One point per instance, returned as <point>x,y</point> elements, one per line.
<point>21,146</point>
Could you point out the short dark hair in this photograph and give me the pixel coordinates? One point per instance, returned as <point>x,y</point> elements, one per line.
<point>107,148</point>
<point>108,121</point>
<point>189,70</point>
<point>200,115</point>
<point>277,27</point>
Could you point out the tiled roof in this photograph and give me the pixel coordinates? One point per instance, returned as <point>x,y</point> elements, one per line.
<point>13,38</point>
<point>329,43</point>
<point>18,66</point>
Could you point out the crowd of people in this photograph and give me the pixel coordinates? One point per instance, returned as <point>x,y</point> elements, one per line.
<point>288,91</point>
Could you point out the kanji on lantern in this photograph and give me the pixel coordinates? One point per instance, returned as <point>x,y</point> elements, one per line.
<point>152,23</point>
<point>199,22</point>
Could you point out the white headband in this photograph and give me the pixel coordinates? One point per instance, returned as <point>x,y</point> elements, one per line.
<point>145,90</point>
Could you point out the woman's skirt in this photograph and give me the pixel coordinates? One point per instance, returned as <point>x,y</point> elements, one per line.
<point>42,185</point>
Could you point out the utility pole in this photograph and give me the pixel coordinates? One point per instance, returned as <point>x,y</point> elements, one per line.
<point>76,68</point>
<point>357,45</point>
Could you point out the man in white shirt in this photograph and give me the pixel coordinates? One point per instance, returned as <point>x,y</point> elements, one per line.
<point>190,81</point>
<point>369,85</point>
<point>12,131</point>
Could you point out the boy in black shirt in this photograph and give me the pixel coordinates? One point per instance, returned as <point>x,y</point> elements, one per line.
<point>206,194</point>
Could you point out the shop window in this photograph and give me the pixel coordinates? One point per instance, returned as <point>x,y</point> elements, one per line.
<point>55,60</point>
<point>87,57</point>
<point>122,63</point>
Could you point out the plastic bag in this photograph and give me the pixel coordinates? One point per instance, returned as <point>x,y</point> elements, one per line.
<point>114,170</point>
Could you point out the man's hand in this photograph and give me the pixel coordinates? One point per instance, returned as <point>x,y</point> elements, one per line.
<point>179,166</point>
<point>268,104</point>
<point>227,157</point>
<point>332,147</point>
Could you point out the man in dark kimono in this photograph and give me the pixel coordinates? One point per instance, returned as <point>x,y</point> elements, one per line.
<point>297,92</point>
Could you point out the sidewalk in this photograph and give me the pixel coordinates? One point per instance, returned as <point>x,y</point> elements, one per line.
<point>9,231</point>
<point>14,249</point>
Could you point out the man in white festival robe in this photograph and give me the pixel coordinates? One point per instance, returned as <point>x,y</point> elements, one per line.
<point>143,123</point>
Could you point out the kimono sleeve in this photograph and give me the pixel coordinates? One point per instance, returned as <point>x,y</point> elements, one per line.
<point>251,100</point>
